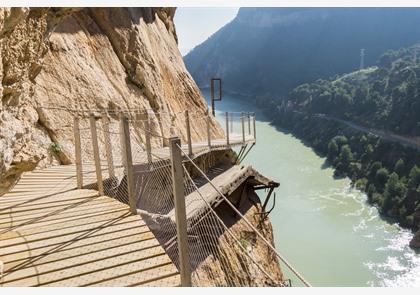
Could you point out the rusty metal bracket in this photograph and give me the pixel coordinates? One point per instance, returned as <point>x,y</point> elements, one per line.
<point>264,214</point>
<point>213,99</point>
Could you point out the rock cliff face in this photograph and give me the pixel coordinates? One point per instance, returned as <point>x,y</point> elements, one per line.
<point>92,58</point>
<point>118,59</point>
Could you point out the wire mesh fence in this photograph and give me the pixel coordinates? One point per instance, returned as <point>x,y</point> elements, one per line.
<point>131,161</point>
<point>245,248</point>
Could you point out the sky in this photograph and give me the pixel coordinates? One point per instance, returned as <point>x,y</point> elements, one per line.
<point>195,24</point>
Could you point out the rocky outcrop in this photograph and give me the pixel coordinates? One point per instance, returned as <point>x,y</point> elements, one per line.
<point>415,241</point>
<point>92,58</point>
<point>241,269</point>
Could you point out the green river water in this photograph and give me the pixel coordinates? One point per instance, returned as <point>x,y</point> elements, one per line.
<point>324,227</point>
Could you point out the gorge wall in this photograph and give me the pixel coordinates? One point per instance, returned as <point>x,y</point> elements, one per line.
<point>91,58</point>
<point>270,50</point>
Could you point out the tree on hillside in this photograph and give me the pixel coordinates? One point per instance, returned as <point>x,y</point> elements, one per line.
<point>332,150</point>
<point>381,177</point>
<point>399,167</point>
<point>394,191</point>
<point>414,178</point>
<point>346,156</point>
<point>374,168</point>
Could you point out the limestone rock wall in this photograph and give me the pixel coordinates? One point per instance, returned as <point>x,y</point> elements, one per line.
<point>91,58</point>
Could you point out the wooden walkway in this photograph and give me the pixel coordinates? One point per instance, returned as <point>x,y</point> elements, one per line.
<point>75,237</point>
<point>52,234</point>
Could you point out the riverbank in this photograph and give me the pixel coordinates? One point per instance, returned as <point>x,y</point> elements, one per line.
<point>321,224</point>
<point>387,171</point>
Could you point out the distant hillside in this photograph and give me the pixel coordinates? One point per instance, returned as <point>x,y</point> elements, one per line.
<point>386,96</point>
<point>272,50</point>
<point>333,115</point>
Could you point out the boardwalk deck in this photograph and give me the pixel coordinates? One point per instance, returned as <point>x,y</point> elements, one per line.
<point>52,234</point>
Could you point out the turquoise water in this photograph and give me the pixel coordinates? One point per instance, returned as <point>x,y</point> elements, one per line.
<point>324,227</point>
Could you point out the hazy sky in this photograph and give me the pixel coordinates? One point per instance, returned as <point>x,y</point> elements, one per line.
<point>195,24</point>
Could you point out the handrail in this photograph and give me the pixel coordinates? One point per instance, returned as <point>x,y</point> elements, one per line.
<point>291,268</point>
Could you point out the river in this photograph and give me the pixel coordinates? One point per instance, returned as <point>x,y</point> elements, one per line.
<point>324,227</point>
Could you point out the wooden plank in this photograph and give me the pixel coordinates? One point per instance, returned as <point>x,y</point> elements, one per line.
<point>148,144</point>
<point>108,146</point>
<point>243,127</point>
<point>180,213</point>
<point>78,153</point>
<point>95,147</point>
<point>188,127</point>
<point>227,128</point>
<point>128,161</point>
<point>208,131</point>
<point>73,248</point>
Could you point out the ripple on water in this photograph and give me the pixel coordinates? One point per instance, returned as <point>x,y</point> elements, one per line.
<point>402,266</point>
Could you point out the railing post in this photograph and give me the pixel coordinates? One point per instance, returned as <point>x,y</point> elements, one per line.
<point>148,144</point>
<point>78,153</point>
<point>243,127</point>
<point>108,146</point>
<point>255,129</point>
<point>227,128</point>
<point>249,123</point>
<point>128,163</point>
<point>187,123</point>
<point>232,117</point>
<point>96,155</point>
<point>208,130</point>
<point>180,211</point>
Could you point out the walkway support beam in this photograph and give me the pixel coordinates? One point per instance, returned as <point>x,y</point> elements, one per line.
<point>180,211</point>
<point>255,128</point>
<point>128,163</point>
<point>232,117</point>
<point>208,130</point>
<point>96,156</point>
<point>243,127</point>
<point>78,153</point>
<point>148,143</point>
<point>227,128</point>
<point>108,146</point>
<point>187,124</point>
<point>249,123</point>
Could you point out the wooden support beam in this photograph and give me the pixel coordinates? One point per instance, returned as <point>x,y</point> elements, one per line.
<point>180,211</point>
<point>208,130</point>
<point>188,127</point>
<point>148,144</point>
<point>78,153</point>
<point>227,128</point>
<point>128,162</point>
<point>96,155</point>
<point>255,128</point>
<point>122,139</point>
<point>249,123</point>
<point>108,146</point>
<point>232,116</point>
<point>243,127</point>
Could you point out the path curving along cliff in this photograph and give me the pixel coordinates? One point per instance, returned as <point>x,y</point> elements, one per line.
<point>91,58</point>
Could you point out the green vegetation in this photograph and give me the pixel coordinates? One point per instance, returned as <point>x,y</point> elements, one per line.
<point>389,173</point>
<point>244,243</point>
<point>385,97</point>
<point>55,148</point>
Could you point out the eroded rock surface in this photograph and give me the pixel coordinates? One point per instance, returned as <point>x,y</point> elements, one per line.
<point>92,58</point>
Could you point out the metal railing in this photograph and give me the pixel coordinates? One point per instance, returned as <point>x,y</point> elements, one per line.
<point>135,158</point>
